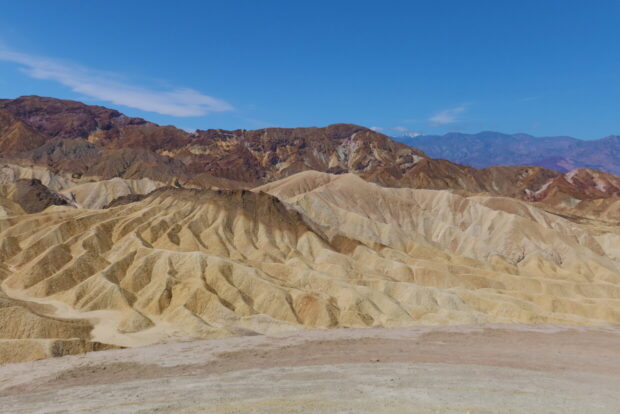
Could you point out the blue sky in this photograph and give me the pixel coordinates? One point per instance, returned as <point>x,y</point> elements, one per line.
<point>540,67</point>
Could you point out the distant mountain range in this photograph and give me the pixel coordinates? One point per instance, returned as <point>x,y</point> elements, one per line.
<point>94,143</point>
<point>488,148</point>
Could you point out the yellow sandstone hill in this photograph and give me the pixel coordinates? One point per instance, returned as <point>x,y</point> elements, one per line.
<point>318,251</point>
<point>82,192</point>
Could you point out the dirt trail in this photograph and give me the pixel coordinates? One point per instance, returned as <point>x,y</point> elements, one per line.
<point>496,368</point>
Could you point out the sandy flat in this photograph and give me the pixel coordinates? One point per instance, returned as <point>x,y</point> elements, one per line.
<point>466,369</point>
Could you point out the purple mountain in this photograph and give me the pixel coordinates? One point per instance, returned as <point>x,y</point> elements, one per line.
<point>488,148</point>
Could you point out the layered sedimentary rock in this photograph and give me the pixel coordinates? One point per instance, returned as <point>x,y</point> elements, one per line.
<point>118,232</point>
<point>321,251</point>
<point>98,143</point>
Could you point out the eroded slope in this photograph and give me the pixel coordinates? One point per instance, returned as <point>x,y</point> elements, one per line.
<point>339,252</point>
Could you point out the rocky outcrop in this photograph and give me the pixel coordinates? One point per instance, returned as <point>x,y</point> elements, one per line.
<point>66,119</point>
<point>33,196</point>
<point>95,143</point>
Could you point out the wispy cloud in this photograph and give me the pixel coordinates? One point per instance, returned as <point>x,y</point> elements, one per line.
<point>406,132</point>
<point>376,128</point>
<point>110,87</point>
<point>447,116</point>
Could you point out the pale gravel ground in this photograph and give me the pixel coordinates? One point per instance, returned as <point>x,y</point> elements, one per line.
<point>492,369</point>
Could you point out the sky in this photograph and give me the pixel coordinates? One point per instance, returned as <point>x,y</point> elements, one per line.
<point>541,67</point>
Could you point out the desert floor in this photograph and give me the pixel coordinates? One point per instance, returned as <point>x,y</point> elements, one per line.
<point>462,369</point>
